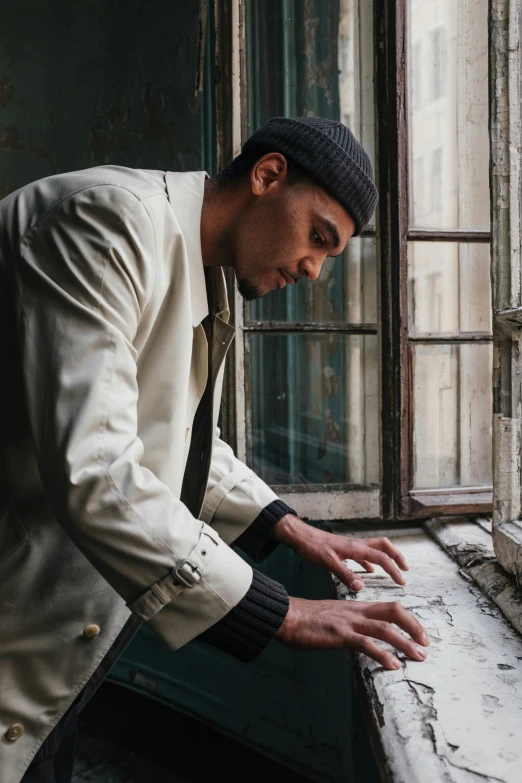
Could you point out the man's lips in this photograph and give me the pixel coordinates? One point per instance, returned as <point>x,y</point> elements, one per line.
<point>286,277</point>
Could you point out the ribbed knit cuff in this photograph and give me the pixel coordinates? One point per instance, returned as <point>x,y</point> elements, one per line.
<point>247,629</point>
<point>256,541</point>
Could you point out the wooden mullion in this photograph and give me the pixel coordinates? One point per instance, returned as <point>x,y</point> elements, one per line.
<point>392,224</point>
<point>227,33</point>
<point>422,507</point>
<point>411,452</point>
<point>262,327</point>
<point>505,93</point>
<point>451,337</point>
<point>432,235</point>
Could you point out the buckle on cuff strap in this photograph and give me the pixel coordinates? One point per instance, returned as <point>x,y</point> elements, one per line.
<point>186,573</point>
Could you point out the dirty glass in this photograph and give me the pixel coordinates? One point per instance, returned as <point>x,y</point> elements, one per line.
<point>314,408</point>
<point>316,59</point>
<point>344,292</point>
<point>448,114</point>
<point>313,396</point>
<point>452,403</point>
<point>449,288</point>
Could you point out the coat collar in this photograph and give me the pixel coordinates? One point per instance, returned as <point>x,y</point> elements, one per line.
<point>186,191</point>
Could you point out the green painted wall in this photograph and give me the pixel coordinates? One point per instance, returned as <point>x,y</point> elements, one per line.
<point>83,84</point>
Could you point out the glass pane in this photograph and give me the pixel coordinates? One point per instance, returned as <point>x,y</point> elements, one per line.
<point>316,59</point>
<point>449,288</point>
<point>355,61</point>
<point>448,114</point>
<point>315,408</point>
<point>452,412</point>
<point>345,291</point>
<point>311,58</point>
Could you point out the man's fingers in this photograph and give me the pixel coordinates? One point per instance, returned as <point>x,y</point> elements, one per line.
<point>384,560</point>
<point>385,545</point>
<point>380,629</point>
<point>370,648</point>
<point>346,576</point>
<point>394,612</point>
<point>366,565</point>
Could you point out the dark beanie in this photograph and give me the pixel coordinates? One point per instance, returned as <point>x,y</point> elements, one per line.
<point>329,152</point>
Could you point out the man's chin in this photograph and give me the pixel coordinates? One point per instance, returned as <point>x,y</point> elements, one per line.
<point>248,290</point>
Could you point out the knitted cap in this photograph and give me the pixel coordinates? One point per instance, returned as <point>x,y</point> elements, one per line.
<point>329,152</point>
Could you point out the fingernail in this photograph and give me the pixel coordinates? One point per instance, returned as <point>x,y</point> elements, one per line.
<point>397,664</point>
<point>357,584</point>
<point>425,639</point>
<point>421,652</point>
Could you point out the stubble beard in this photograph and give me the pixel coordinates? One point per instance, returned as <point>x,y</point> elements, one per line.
<point>248,290</point>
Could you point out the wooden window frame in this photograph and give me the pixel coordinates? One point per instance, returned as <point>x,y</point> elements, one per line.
<point>394,499</point>
<point>506,203</point>
<point>399,500</point>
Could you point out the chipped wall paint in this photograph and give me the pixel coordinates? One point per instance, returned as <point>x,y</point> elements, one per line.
<point>455,717</point>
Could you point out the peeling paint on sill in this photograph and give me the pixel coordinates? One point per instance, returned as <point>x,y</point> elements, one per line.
<point>471,546</point>
<point>457,716</point>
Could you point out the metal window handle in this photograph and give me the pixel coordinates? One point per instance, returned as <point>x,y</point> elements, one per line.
<point>186,573</point>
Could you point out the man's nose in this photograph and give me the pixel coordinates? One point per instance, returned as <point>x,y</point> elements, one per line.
<point>311,268</point>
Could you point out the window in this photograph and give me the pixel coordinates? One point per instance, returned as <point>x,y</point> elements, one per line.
<point>311,352</point>
<point>449,339</point>
<point>368,393</point>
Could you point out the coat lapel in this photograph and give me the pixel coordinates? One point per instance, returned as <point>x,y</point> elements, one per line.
<point>186,191</point>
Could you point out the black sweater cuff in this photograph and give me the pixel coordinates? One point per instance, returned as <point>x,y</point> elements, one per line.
<point>256,541</point>
<point>247,629</point>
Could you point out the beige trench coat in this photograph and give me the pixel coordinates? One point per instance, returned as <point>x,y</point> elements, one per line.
<point>104,360</point>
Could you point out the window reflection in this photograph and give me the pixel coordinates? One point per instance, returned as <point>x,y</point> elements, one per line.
<point>315,408</point>
<point>449,288</point>
<point>448,114</point>
<point>452,415</point>
<point>344,292</point>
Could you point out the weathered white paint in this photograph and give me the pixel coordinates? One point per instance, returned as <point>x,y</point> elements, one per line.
<point>470,544</point>
<point>330,505</point>
<point>457,717</point>
<point>506,202</point>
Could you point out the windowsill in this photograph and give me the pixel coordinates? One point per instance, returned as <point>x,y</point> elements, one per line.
<point>457,503</point>
<point>457,716</point>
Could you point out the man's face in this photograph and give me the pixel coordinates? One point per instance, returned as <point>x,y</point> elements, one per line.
<point>285,231</point>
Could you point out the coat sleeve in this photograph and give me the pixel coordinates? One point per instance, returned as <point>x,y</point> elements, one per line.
<point>235,496</point>
<point>84,277</point>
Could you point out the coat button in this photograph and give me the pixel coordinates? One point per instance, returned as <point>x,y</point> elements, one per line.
<point>90,631</point>
<point>14,732</point>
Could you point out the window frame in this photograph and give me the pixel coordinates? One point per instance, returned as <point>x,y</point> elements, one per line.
<point>506,203</point>
<point>399,499</point>
<point>393,498</point>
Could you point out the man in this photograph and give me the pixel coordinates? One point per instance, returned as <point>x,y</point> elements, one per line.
<point>119,500</point>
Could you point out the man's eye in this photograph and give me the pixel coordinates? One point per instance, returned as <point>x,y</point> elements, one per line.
<point>317,238</point>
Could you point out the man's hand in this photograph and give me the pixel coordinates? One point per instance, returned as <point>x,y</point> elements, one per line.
<point>348,625</point>
<point>327,550</point>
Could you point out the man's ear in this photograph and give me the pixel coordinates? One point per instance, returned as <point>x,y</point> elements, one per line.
<point>267,172</point>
